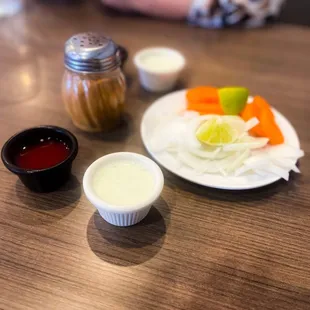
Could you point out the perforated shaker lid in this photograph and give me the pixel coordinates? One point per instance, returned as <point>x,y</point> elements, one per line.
<point>91,52</point>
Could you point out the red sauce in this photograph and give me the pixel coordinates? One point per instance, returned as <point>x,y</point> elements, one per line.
<point>46,154</point>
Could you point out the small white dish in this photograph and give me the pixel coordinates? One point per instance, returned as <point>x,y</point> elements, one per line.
<point>159,68</point>
<point>175,102</point>
<point>123,215</point>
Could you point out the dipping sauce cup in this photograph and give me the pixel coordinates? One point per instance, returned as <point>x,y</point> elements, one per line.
<point>41,157</point>
<point>159,68</point>
<point>123,186</point>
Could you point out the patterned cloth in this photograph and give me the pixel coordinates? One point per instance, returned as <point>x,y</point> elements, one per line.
<point>226,13</point>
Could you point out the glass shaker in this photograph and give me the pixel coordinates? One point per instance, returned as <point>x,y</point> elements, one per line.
<point>93,86</point>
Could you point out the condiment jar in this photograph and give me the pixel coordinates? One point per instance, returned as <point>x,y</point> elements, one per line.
<point>93,85</point>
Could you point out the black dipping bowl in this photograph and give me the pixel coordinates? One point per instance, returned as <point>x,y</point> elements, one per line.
<point>42,180</point>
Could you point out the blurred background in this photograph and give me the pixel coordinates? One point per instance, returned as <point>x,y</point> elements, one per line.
<point>32,32</point>
<point>294,11</point>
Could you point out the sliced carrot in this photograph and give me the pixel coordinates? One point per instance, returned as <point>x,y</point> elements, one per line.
<point>211,108</point>
<point>270,128</point>
<point>202,94</point>
<point>276,136</point>
<point>204,99</point>
<point>262,105</point>
<point>258,131</point>
<point>267,126</point>
<point>249,112</point>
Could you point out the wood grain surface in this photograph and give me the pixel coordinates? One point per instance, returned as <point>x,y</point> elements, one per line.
<point>198,248</point>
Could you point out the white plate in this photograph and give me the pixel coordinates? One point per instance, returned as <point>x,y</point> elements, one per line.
<point>176,102</point>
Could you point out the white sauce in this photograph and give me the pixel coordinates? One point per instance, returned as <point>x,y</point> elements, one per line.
<point>123,183</point>
<point>159,62</point>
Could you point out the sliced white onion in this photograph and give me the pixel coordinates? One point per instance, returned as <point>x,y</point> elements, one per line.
<point>286,151</point>
<point>255,143</point>
<point>236,122</point>
<point>256,162</point>
<point>261,173</point>
<point>191,161</point>
<point>286,163</point>
<point>168,135</point>
<point>251,123</point>
<point>283,173</point>
<point>202,152</point>
<point>224,164</point>
<point>253,163</point>
<point>242,170</point>
<point>240,158</point>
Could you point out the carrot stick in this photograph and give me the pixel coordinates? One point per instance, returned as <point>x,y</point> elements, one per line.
<point>210,108</point>
<point>267,126</point>
<point>249,112</point>
<point>270,128</point>
<point>262,105</point>
<point>203,94</point>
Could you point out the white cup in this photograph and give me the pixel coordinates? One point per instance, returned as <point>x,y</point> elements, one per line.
<point>123,215</point>
<point>159,68</point>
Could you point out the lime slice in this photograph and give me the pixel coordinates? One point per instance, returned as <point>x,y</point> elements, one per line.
<point>233,99</point>
<point>216,132</point>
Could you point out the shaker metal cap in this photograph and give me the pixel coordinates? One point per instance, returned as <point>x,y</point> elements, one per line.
<point>91,52</point>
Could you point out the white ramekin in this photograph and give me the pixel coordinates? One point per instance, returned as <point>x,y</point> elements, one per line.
<point>163,79</point>
<point>123,215</point>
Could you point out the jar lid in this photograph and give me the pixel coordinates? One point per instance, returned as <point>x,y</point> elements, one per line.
<point>91,52</point>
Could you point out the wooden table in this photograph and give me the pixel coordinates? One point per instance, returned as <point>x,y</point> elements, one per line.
<point>199,248</point>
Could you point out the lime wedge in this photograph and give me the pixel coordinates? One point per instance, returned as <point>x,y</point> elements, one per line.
<point>233,99</point>
<point>216,132</point>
